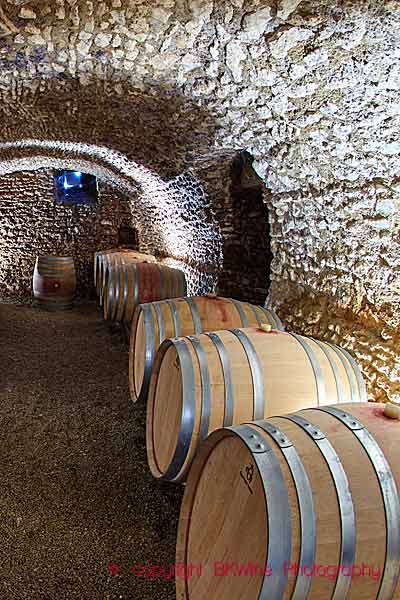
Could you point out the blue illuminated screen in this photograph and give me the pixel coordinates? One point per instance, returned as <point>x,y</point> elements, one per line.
<point>75,187</point>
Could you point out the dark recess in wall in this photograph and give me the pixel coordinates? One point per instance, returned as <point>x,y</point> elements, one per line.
<point>128,237</point>
<point>247,256</point>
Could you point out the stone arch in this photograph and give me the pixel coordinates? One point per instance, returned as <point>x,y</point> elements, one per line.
<point>151,125</point>
<point>174,215</point>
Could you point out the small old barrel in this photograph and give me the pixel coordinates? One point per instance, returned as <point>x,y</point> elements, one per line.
<point>303,506</point>
<point>154,322</point>
<point>200,383</point>
<point>131,282</point>
<point>104,257</point>
<point>54,282</point>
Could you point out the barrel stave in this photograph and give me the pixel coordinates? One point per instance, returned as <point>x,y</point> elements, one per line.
<point>102,260</point>
<point>54,282</point>
<point>133,282</point>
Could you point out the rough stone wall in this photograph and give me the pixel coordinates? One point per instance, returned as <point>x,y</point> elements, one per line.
<point>248,257</point>
<point>236,195</point>
<point>311,89</point>
<point>339,280</point>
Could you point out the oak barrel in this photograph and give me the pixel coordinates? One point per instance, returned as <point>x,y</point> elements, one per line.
<point>200,383</point>
<point>102,258</point>
<point>129,283</point>
<point>303,506</point>
<point>54,282</point>
<point>154,322</point>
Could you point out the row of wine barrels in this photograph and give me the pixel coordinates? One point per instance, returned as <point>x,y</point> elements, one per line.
<point>129,283</point>
<point>116,262</point>
<point>200,383</point>
<point>105,257</point>
<point>54,282</point>
<point>100,260</point>
<point>302,506</point>
<point>154,322</point>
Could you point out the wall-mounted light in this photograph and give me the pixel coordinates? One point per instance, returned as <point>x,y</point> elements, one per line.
<point>75,187</point>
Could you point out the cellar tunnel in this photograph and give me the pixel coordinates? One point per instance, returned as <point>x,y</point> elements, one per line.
<point>252,146</point>
<point>177,219</point>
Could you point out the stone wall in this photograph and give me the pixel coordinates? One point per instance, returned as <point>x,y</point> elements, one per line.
<point>339,280</point>
<point>237,194</point>
<point>310,89</point>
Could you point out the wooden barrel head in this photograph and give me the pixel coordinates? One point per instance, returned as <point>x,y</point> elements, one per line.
<point>166,411</point>
<point>139,341</point>
<point>330,493</point>
<point>227,533</point>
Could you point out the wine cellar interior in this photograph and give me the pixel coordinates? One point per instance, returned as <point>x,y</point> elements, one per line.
<point>199,285</point>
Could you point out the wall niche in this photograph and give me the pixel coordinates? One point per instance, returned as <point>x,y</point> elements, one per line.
<point>247,252</point>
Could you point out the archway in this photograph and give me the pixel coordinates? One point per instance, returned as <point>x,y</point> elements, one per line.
<point>184,232</point>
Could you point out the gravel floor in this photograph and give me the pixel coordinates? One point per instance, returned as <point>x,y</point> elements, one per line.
<point>78,506</point>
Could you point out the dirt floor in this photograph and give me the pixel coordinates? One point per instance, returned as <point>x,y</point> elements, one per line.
<point>78,505</point>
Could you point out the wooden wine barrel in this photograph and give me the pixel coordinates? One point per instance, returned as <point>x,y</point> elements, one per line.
<point>54,282</point>
<point>129,283</point>
<point>303,506</point>
<point>153,323</point>
<point>102,258</point>
<point>200,383</point>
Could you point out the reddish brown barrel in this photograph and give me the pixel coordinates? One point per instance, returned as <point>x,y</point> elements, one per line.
<point>203,382</point>
<point>54,282</point>
<point>104,257</point>
<point>129,283</point>
<point>154,322</point>
<point>303,506</point>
